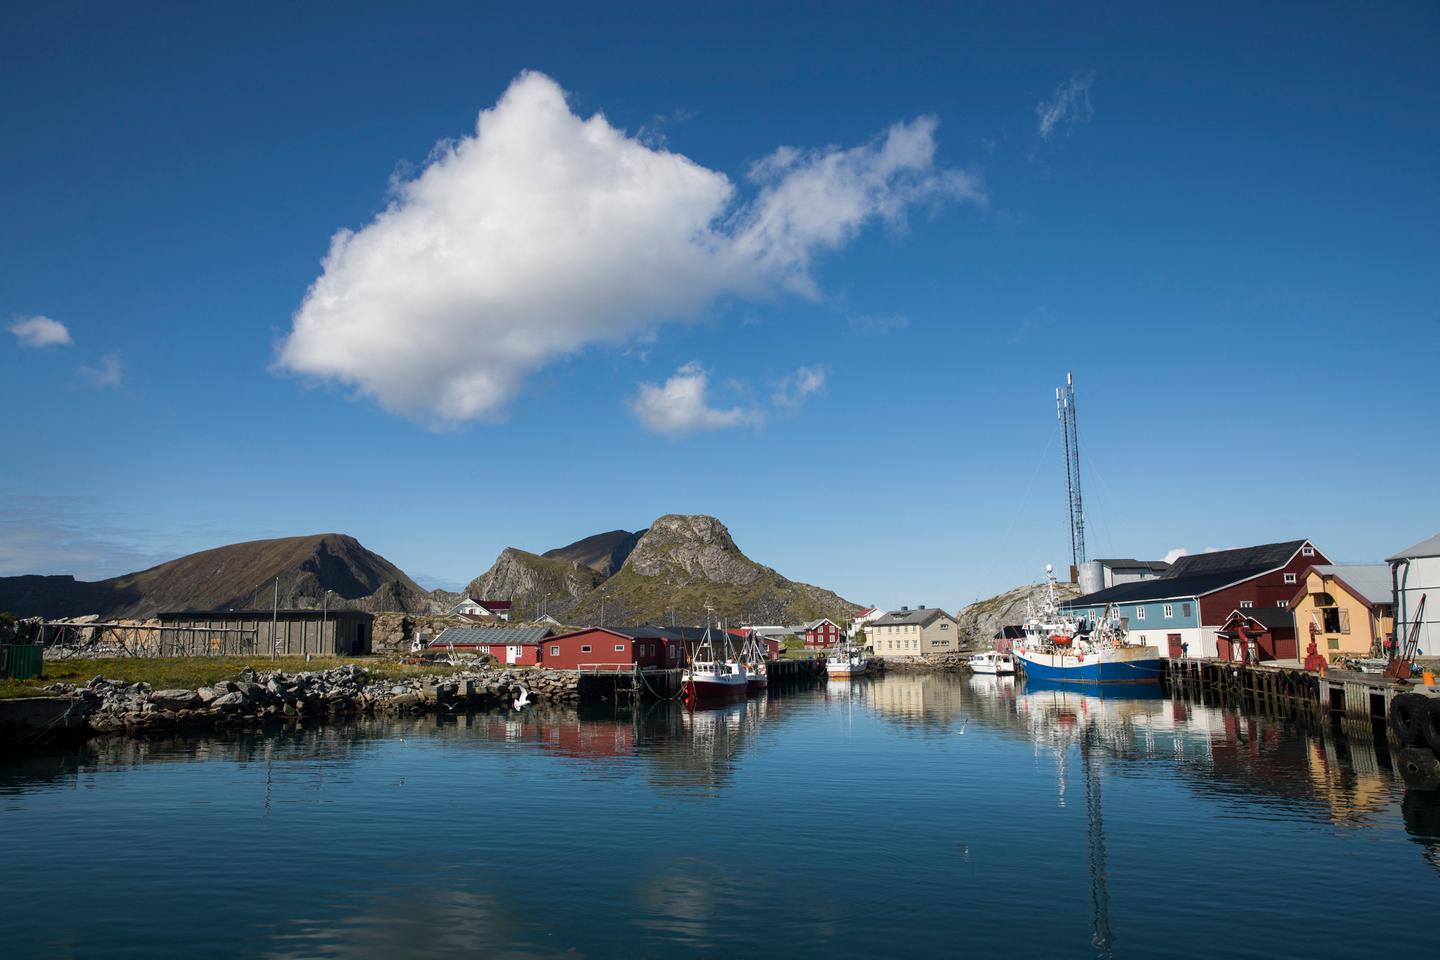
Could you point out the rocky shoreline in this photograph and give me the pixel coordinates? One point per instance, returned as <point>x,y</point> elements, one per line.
<point>256,698</point>
<point>959,662</point>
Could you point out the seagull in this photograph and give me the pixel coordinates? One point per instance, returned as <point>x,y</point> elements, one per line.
<point>961,731</point>
<point>523,700</point>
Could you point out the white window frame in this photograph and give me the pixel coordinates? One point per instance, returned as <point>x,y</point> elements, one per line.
<point>619,648</point>
<point>1140,612</point>
<point>1282,604</point>
<point>1169,611</point>
<point>1247,604</point>
<point>1292,578</point>
<point>584,648</point>
<point>1307,551</point>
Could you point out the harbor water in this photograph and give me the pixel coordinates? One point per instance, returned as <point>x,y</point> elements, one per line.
<point>908,815</point>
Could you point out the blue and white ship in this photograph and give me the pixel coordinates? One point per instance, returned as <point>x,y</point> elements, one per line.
<point>1060,647</point>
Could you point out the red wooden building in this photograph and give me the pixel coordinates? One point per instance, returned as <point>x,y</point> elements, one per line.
<point>610,648</point>
<point>1257,634</point>
<point>517,646</point>
<point>823,633</point>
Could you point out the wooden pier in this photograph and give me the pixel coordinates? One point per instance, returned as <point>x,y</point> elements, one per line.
<point>1287,689</point>
<point>662,684</point>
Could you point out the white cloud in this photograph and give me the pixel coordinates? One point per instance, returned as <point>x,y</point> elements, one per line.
<point>1175,553</point>
<point>107,374</point>
<point>40,331</point>
<point>793,390</point>
<point>546,232</point>
<point>1069,108</point>
<point>680,405</point>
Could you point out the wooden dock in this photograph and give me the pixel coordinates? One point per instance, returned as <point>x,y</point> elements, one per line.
<point>1287,689</point>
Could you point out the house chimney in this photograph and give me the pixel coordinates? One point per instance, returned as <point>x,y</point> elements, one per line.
<point>904,609</point>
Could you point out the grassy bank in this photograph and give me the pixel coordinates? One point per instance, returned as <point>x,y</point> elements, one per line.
<point>190,672</point>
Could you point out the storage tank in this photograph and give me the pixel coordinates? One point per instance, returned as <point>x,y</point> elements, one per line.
<point>1092,577</point>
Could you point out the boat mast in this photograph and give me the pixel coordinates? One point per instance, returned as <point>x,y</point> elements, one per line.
<point>1065,413</point>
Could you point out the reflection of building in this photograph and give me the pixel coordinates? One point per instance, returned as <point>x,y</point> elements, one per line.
<point>1346,609</point>
<point>923,697</point>
<point>913,633</point>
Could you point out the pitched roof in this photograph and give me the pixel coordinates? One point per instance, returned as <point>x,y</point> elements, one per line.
<point>1271,618</point>
<point>922,617</point>
<point>1429,547</point>
<point>474,636</point>
<point>1204,573</point>
<point>1370,581</point>
<point>1265,556</point>
<point>1127,563</point>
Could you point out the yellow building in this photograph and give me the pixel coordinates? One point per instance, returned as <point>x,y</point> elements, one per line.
<point>1346,609</point>
<point>913,633</point>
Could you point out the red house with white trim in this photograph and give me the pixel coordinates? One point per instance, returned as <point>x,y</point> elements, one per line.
<point>609,648</point>
<point>516,646</point>
<point>822,633</point>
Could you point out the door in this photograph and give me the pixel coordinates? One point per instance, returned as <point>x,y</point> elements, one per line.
<point>1176,651</point>
<point>512,654</point>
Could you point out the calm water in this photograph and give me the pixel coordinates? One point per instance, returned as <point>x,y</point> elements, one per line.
<point>900,816</point>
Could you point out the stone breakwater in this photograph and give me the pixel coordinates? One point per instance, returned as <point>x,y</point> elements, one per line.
<point>113,706</point>
<point>936,663</point>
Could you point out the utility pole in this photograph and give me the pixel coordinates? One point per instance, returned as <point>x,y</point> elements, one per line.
<point>324,601</point>
<point>275,619</point>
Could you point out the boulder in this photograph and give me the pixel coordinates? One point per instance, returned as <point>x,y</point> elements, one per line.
<point>175,699</point>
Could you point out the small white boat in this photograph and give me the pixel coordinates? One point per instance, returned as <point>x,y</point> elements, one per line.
<point>992,663</point>
<point>846,662</point>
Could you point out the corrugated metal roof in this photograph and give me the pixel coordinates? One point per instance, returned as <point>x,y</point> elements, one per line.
<point>1370,580</point>
<point>1429,547</point>
<point>474,636</point>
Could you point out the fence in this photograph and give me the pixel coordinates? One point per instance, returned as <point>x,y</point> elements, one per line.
<point>65,640</point>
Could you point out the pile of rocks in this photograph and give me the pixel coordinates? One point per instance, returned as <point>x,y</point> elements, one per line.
<point>113,706</point>
<point>937,662</point>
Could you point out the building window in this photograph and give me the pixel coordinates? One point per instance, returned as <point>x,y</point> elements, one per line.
<point>1139,613</point>
<point>1289,578</point>
<point>619,648</point>
<point>584,648</point>
<point>554,651</point>
<point>944,626</point>
<point>1282,603</point>
<point>1184,609</point>
<point>1307,551</point>
<point>1246,604</point>
<point>1169,611</point>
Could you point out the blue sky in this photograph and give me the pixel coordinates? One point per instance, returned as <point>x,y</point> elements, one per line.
<point>1223,219</point>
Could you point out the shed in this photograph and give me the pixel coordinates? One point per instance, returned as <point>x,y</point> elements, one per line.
<point>606,649</point>
<point>518,646</point>
<point>288,632</point>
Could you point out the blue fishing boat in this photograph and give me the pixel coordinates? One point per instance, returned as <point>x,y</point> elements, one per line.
<point>1062,648</point>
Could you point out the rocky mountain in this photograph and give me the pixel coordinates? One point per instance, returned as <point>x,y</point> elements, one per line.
<point>979,622</point>
<point>237,576</point>
<point>673,570</point>
<point>534,583</point>
<point>605,553</point>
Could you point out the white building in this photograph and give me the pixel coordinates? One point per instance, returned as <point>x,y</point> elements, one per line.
<point>1416,573</point>
<point>867,616</point>
<point>499,609</point>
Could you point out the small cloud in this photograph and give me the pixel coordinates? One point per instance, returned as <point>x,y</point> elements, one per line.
<point>107,374</point>
<point>40,332</point>
<point>885,323</point>
<point>680,405</point>
<point>1069,108</point>
<point>1175,553</point>
<point>794,389</point>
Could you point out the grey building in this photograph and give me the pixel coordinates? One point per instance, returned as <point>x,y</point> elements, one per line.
<point>1097,575</point>
<point>251,632</point>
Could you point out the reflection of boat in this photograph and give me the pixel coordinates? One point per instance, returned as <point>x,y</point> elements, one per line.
<point>1058,646</point>
<point>992,662</point>
<point>709,679</point>
<point>846,662</point>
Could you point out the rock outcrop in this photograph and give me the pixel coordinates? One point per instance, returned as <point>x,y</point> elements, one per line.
<point>534,583</point>
<point>980,621</point>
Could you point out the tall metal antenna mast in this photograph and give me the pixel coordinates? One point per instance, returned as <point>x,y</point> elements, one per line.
<point>1065,411</point>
